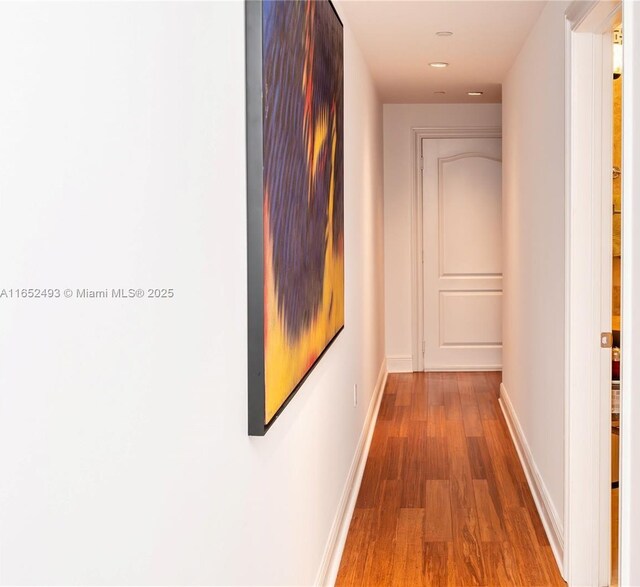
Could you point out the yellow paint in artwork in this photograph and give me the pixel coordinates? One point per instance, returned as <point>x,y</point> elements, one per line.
<point>320,137</point>
<point>286,363</point>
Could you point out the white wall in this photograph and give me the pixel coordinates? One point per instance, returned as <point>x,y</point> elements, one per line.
<point>123,444</point>
<point>399,120</point>
<point>534,246</point>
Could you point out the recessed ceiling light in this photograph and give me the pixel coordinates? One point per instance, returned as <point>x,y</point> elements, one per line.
<point>475,93</point>
<point>440,92</point>
<point>444,34</point>
<point>439,64</point>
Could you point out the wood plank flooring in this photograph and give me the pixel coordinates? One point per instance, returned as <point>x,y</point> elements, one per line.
<point>444,500</point>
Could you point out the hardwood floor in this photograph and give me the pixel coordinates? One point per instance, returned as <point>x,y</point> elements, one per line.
<point>615,504</point>
<point>444,500</point>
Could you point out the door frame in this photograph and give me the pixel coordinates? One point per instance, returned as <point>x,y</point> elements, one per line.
<point>588,152</point>
<point>417,242</point>
<point>629,565</point>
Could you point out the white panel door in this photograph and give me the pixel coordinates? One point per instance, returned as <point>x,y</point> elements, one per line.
<point>462,238</point>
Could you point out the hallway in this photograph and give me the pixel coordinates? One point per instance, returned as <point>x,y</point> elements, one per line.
<point>444,499</point>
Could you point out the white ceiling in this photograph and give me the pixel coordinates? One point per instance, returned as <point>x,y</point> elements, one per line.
<point>398,41</point>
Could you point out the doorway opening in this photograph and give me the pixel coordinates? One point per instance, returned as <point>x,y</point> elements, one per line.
<point>616,280</point>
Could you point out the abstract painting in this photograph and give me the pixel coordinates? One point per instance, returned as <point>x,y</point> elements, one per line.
<point>295,149</point>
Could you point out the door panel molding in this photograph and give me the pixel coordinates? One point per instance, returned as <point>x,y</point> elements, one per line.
<point>442,162</point>
<point>472,275</point>
<point>417,276</point>
<point>447,304</point>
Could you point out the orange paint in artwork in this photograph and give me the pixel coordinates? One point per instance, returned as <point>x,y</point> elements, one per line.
<point>307,88</point>
<point>311,359</point>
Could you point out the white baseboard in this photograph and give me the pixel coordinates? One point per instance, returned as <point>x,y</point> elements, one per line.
<point>464,368</point>
<point>550,520</point>
<point>399,364</point>
<point>330,563</point>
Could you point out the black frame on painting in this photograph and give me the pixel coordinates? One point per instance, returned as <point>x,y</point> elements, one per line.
<point>255,218</point>
<point>255,231</point>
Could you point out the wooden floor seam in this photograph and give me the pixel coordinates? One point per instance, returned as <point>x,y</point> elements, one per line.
<point>444,500</point>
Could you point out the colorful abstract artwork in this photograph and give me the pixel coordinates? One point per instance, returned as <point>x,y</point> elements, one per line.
<point>302,200</point>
